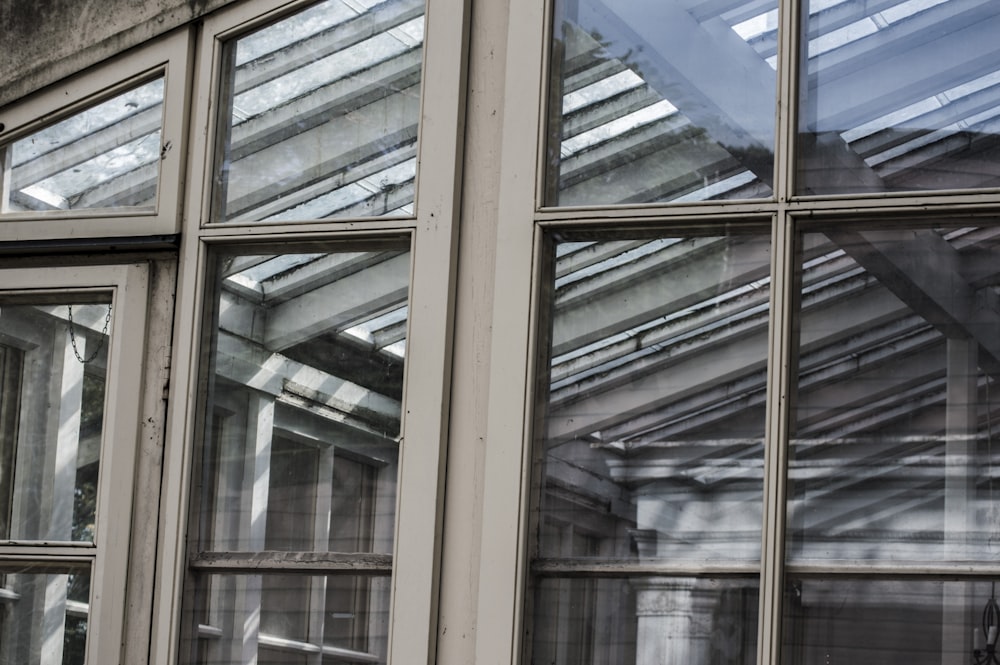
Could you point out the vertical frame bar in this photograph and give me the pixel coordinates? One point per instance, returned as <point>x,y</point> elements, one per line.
<point>417,555</point>
<point>779,376</point>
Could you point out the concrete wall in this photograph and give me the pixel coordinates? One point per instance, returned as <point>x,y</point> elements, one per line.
<point>43,41</point>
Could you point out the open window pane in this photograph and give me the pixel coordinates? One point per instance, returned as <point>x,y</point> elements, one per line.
<point>107,156</point>
<point>301,619</point>
<point>53,364</point>
<point>893,454</point>
<point>320,114</point>
<point>899,95</point>
<point>43,614</point>
<point>661,100</point>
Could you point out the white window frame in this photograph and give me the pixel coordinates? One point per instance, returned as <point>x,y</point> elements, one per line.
<point>109,555</point>
<point>433,231</point>
<point>522,221</point>
<point>167,56</point>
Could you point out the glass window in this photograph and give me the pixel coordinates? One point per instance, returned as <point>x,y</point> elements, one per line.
<point>54,369</point>
<point>44,612</point>
<point>651,448</point>
<point>69,395</point>
<point>661,100</point>
<point>299,464</point>
<point>832,619</point>
<point>899,96</point>
<point>891,457</point>
<point>105,157</point>
<point>319,114</point>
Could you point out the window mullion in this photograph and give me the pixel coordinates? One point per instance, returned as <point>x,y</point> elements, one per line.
<point>787,91</point>
<point>780,356</point>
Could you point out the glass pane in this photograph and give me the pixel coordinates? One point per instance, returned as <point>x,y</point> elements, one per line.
<point>900,95</point>
<point>652,427</point>
<point>53,370</point>
<point>107,156</point>
<point>320,114</point>
<point>43,615</point>
<point>661,100</point>
<point>884,622</point>
<point>282,619</point>
<point>645,621</point>
<point>303,399</point>
<point>892,454</point>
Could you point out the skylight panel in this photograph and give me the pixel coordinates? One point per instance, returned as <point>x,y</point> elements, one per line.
<point>845,35</point>
<point>897,118</point>
<point>757,26</point>
<point>907,9</point>
<point>315,75</point>
<point>295,29</point>
<point>614,262</point>
<point>617,127</point>
<point>601,90</point>
<point>255,277</point>
<point>350,194</point>
<point>718,188</point>
<point>368,331</point>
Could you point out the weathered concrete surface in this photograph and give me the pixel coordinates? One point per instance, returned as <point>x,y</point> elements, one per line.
<point>43,41</point>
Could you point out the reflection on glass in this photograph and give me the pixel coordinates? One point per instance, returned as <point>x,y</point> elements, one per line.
<point>883,622</point>
<point>648,452</point>
<point>303,412</point>
<point>300,458</point>
<point>43,615</point>
<point>107,156</point>
<point>661,100</point>
<point>53,367</point>
<point>645,621</point>
<point>650,447</point>
<point>341,618</point>
<point>893,454</point>
<point>899,96</point>
<point>320,114</point>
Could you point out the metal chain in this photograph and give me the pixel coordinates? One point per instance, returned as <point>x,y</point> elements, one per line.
<point>100,342</point>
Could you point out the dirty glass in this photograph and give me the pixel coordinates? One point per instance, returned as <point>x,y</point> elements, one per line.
<point>299,461</point>
<point>892,454</point>
<point>43,614</point>
<point>900,95</point>
<point>661,100</point>
<point>319,114</point>
<point>105,157</point>
<point>53,367</point>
